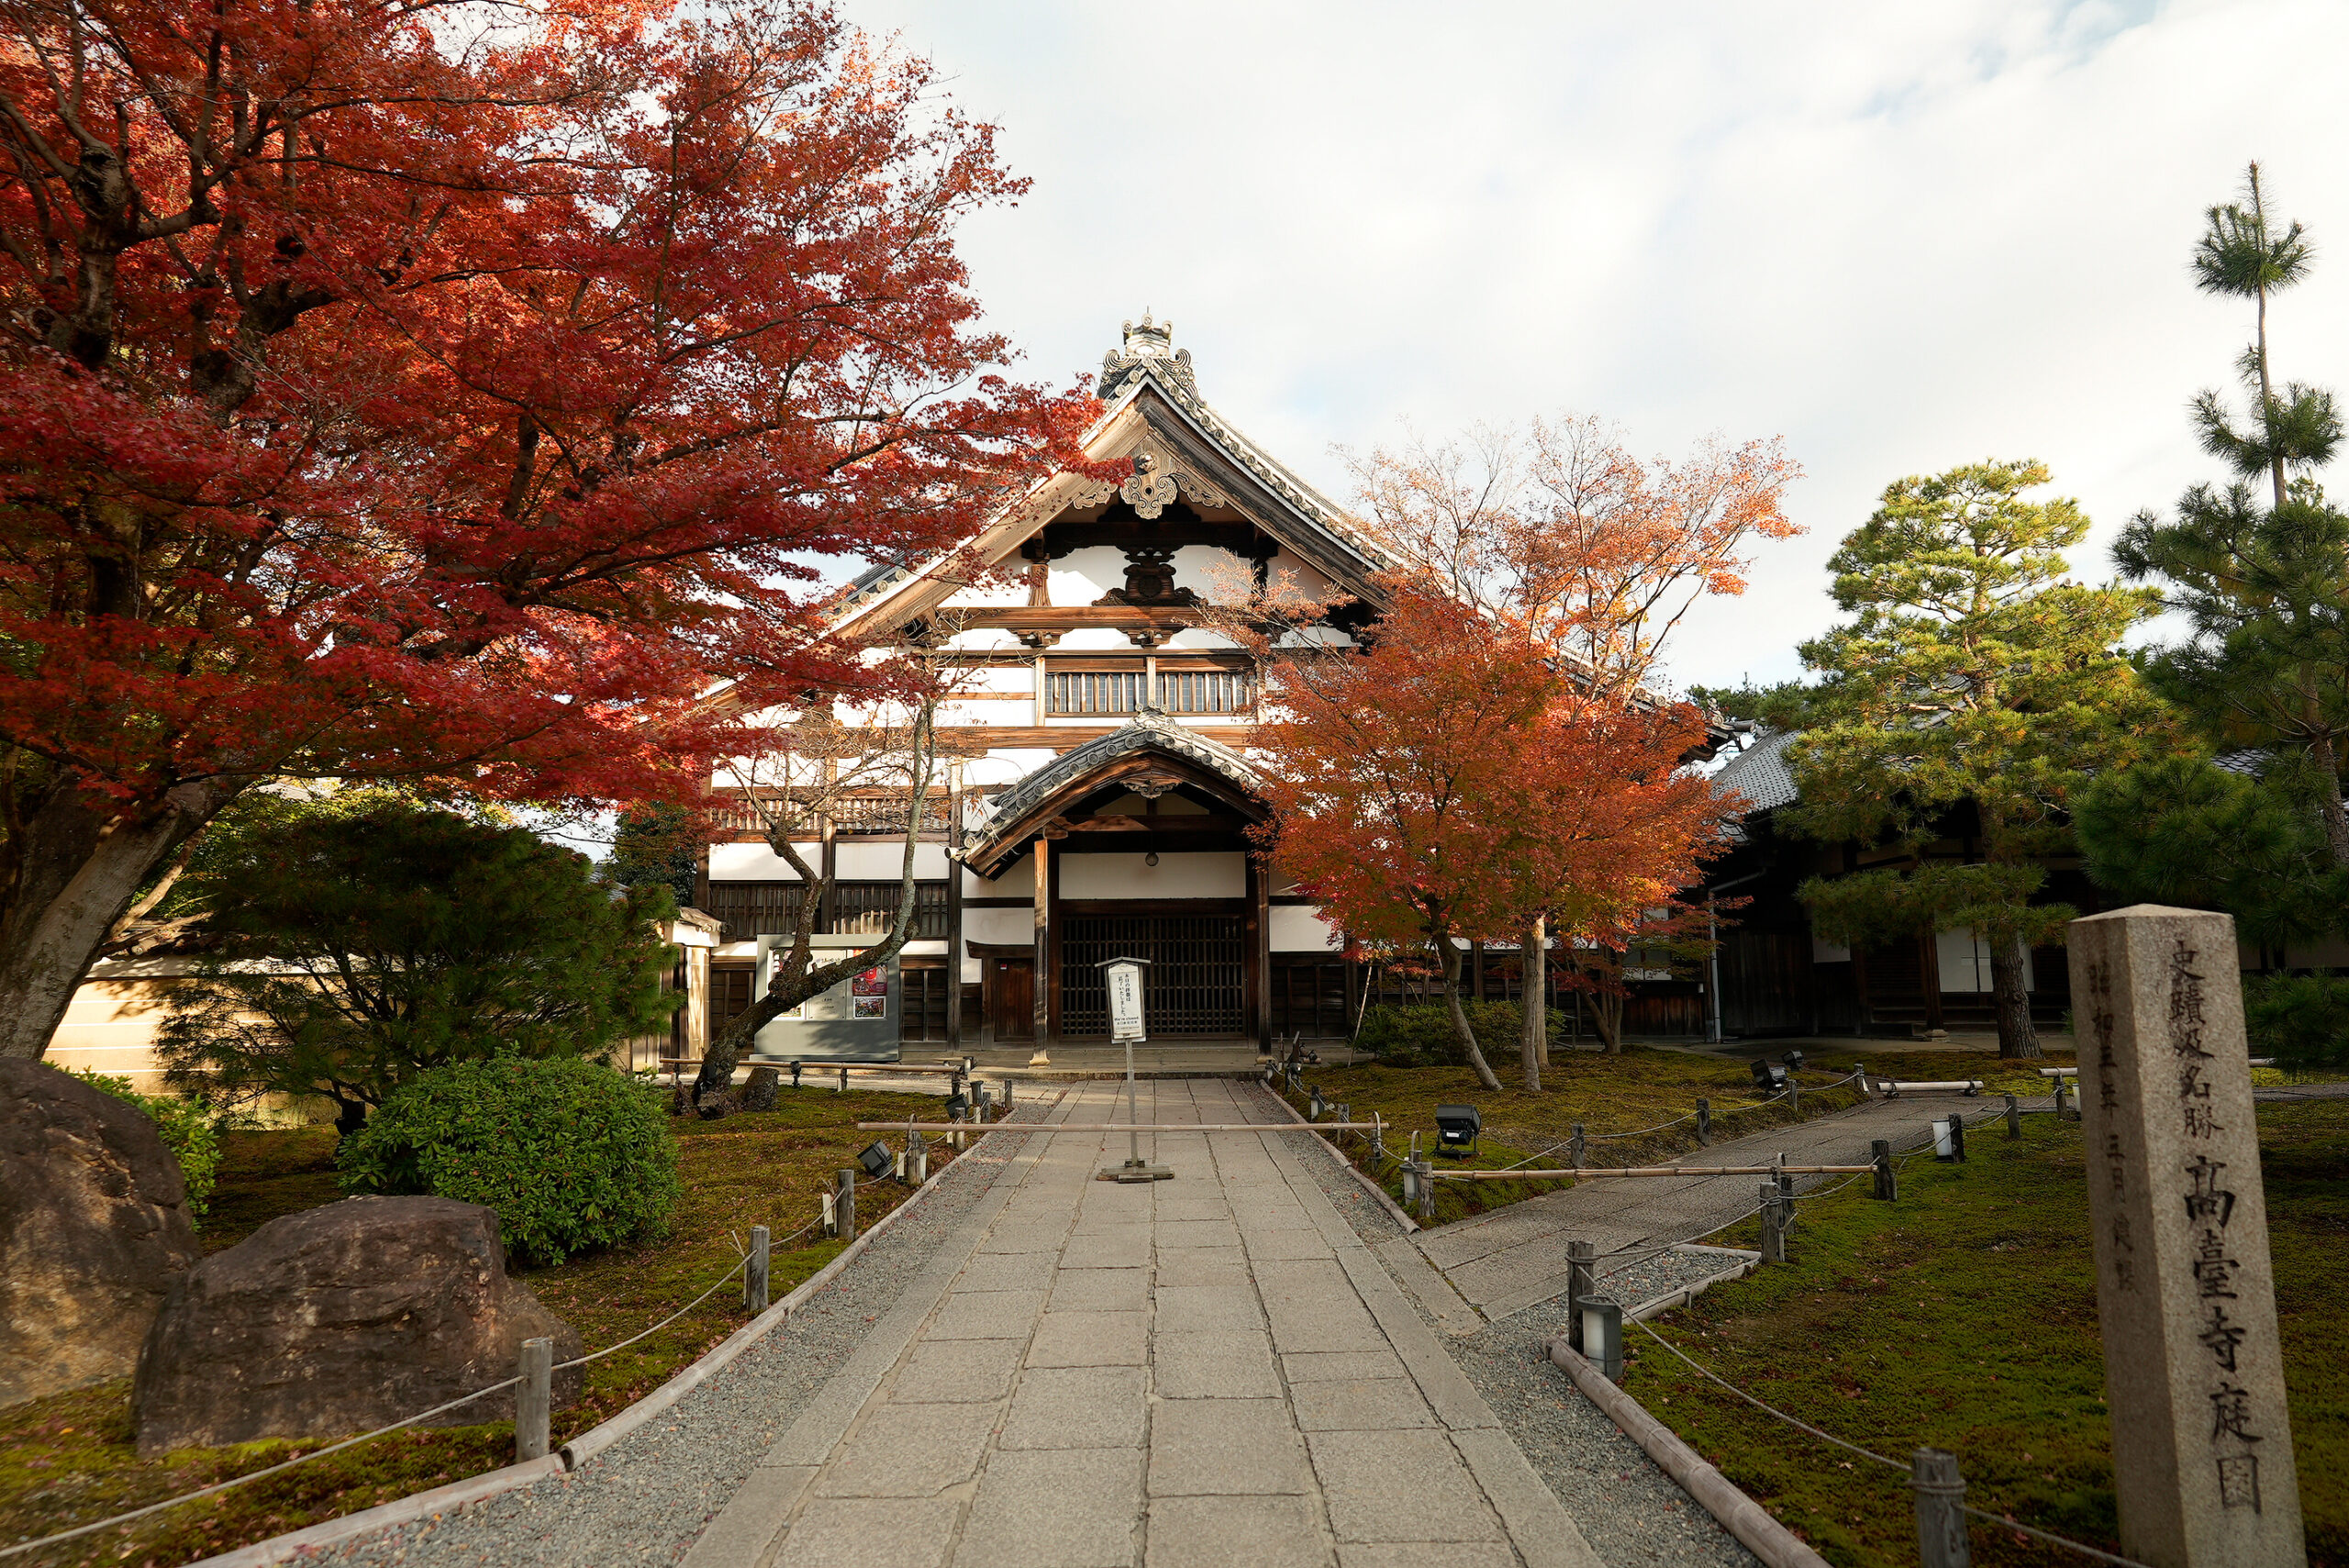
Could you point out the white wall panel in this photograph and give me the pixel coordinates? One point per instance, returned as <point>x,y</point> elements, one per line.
<point>887,861</point>
<point>1298,927</point>
<point>999,925</point>
<point>755,862</point>
<point>1222,875</point>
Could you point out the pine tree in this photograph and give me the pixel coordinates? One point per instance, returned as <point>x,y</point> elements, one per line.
<point>1972,672</point>
<point>2265,588</point>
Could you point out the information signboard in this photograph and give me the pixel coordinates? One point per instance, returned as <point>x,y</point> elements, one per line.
<point>856,1021</point>
<point>1125,1001</point>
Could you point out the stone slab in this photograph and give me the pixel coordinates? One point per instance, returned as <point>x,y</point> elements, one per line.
<point>1092,1407</point>
<point>1090,1339</point>
<point>1225,1448</point>
<point>1062,1508</point>
<point>1235,1532</point>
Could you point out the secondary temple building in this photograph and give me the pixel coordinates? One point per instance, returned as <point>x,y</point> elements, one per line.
<point>1101,794</point>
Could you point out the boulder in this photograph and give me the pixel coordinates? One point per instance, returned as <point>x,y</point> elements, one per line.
<point>340,1320</point>
<point>94,1232</point>
<point>763,1089</point>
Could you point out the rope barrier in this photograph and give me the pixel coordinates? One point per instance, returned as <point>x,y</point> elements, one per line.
<point>140,1513</point>
<point>2004,1520</point>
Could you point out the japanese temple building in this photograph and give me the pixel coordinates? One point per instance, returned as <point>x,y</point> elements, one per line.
<point>1102,792</point>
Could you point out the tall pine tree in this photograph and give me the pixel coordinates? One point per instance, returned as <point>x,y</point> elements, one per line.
<point>2263,579</point>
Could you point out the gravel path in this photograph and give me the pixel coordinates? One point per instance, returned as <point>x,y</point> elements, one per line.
<point>1632,1514</point>
<point>645,1499</point>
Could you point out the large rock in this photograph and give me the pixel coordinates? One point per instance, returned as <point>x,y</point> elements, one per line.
<point>94,1232</point>
<point>341,1319</point>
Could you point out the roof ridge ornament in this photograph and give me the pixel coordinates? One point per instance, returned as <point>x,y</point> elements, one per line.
<point>1147,347</point>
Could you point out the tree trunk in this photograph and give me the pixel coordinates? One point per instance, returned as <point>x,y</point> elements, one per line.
<point>1536,1048</point>
<point>1450,956</point>
<point>78,870</point>
<point>1605,1011</point>
<point>2010,988</point>
<point>2329,805</point>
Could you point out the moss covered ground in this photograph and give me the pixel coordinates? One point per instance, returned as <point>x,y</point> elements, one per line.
<point>69,1459</point>
<point>1964,1318</point>
<point>1612,1096</point>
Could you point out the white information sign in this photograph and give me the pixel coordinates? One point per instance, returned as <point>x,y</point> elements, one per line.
<point>1125,1002</point>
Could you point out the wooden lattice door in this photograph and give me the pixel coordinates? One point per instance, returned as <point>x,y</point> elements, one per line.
<point>1195,985</point>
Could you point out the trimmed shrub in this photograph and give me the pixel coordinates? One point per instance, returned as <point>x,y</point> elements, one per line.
<point>2301,1020</point>
<point>1421,1035</point>
<point>187,1132</point>
<point>571,1154</point>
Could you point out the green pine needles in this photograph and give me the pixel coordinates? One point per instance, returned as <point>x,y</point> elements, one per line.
<point>352,944</point>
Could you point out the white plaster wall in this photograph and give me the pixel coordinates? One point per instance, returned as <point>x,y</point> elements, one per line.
<point>887,861</point>
<point>1084,575</point>
<point>1298,927</point>
<point>755,863</point>
<point>1824,952</point>
<point>1196,640</point>
<point>1216,875</point>
<point>986,637</point>
<point>1016,679</point>
<point>1019,710</point>
<point>1965,961</point>
<point>1215,576</point>
<point>1094,640</point>
<point>1018,881</point>
<point>1005,765</point>
<point>998,926</point>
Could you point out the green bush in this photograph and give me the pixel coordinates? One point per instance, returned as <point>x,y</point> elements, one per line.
<point>187,1133</point>
<point>1420,1034</point>
<point>2301,1020</point>
<point>571,1154</point>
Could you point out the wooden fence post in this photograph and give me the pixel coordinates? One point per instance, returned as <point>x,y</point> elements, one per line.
<point>754,1272</point>
<point>533,1399</point>
<point>1887,1180</point>
<point>1941,1511</point>
<point>844,1206</point>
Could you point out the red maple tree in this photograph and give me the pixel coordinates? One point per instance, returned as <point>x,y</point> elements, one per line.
<point>407,391</point>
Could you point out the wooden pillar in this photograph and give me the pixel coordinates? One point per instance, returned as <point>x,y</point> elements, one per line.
<point>1259,929</point>
<point>1046,986</point>
<point>953,955</point>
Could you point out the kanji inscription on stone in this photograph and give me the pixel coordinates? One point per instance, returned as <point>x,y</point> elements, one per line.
<point>2193,1370</point>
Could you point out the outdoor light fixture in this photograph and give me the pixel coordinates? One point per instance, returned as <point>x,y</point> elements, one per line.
<point>1456,1127</point>
<point>1320,1105</point>
<point>1793,1059</point>
<point>1944,1145</point>
<point>957,1103</point>
<point>876,1160</point>
<point>1602,1336</point>
<point>1151,858</point>
<point>1769,1077</point>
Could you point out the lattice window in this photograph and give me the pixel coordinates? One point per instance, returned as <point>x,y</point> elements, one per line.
<point>1202,691</point>
<point>1079,691</point>
<point>869,909</point>
<point>1196,984</point>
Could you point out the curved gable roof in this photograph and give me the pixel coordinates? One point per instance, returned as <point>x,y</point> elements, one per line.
<point>995,837</point>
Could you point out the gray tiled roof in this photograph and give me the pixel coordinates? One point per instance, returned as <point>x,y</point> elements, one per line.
<point>1760,772</point>
<point>1152,730</point>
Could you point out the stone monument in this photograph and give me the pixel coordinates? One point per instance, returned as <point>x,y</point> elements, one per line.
<point>2194,1372</point>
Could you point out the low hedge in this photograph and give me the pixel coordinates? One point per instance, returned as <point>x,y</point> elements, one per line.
<point>1420,1034</point>
<point>571,1154</point>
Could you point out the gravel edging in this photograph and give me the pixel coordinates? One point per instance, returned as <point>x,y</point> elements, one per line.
<point>1633,1515</point>
<point>648,1497</point>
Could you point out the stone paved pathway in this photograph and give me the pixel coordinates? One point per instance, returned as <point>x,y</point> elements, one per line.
<point>1510,1258</point>
<point>1212,1371</point>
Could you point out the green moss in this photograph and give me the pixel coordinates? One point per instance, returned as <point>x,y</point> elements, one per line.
<point>1608,1094</point>
<point>69,1459</point>
<point>1964,1317</point>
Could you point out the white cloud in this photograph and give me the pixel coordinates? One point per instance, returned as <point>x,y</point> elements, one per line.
<point>1902,236</point>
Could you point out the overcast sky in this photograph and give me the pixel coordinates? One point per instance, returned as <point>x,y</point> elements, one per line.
<point>1902,236</point>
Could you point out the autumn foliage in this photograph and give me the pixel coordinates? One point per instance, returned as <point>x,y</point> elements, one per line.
<point>450,392</point>
<point>1454,781</point>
